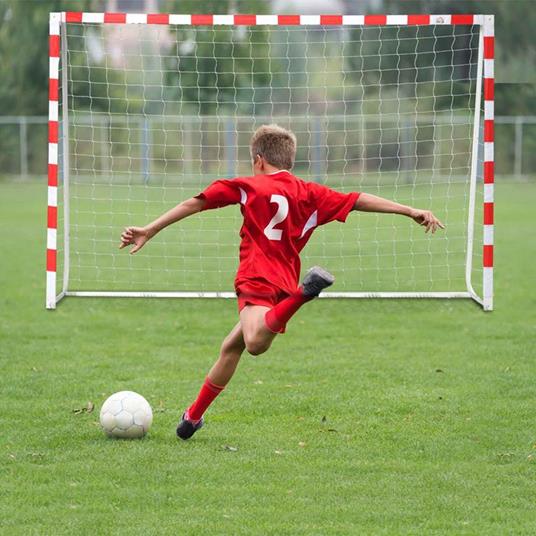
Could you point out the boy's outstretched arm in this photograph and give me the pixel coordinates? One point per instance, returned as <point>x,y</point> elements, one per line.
<point>373,203</point>
<point>140,235</point>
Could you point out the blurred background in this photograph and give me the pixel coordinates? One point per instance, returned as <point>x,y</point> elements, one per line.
<point>24,75</point>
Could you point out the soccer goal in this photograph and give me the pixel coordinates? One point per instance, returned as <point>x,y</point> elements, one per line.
<point>146,110</point>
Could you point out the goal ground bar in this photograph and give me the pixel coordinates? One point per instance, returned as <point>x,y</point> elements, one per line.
<point>119,294</point>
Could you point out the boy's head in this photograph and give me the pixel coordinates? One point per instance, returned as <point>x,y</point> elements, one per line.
<point>272,146</point>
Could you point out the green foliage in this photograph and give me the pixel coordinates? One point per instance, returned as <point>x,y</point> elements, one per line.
<point>97,85</point>
<point>514,30</point>
<point>217,83</point>
<point>426,67</point>
<point>216,62</point>
<point>515,99</point>
<point>367,417</point>
<point>24,53</point>
<point>216,7</point>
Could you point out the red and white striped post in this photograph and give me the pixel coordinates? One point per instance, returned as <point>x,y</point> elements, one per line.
<point>52,207</point>
<point>489,160</point>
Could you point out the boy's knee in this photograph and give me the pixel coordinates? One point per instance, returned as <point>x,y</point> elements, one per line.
<point>257,346</point>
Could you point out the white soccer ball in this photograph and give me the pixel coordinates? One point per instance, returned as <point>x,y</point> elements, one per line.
<point>126,414</point>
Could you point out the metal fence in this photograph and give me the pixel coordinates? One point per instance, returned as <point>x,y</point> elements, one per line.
<point>23,144</point>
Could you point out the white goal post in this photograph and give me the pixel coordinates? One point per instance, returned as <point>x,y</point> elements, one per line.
<point>146,110</point>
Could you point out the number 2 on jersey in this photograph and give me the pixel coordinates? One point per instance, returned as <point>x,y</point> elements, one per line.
<point>282,212</point>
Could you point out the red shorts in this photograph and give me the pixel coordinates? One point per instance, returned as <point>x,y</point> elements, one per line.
<point>258,292</point>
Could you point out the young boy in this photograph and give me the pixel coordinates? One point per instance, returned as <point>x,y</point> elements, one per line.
<point>280,214</point>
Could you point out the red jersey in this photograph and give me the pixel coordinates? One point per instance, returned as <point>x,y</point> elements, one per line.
<point>280,214</point>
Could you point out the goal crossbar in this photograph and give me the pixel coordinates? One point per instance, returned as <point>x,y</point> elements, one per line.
<point>481,153</point>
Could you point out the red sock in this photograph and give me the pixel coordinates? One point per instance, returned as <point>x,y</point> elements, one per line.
<point>208,392</point>
<point>277,317</point>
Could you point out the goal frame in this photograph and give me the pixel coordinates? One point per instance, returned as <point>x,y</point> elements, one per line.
<point>484,90</point>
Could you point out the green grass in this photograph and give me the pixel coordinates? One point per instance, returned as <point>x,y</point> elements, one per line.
<point>368,417</point>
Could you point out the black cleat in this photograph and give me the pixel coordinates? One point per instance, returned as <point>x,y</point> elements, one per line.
<point>186,429</point>
<point>315,281</point>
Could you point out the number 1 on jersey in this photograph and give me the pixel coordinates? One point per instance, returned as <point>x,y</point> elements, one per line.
<point>282,212</point>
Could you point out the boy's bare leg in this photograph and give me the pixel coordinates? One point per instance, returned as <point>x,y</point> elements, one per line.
<point>261,324</point>
<point>231,350</point>
<point>218,377</point>
<point>255,332</point>
<point>257,337</point>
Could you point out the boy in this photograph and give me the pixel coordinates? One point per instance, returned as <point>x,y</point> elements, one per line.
<point>280,213</point>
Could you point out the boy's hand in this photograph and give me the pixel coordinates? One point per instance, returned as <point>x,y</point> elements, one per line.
<point>134,235</point>
<point>427,219</point>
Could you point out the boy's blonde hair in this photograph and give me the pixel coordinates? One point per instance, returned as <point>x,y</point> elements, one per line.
<point>275,144</point>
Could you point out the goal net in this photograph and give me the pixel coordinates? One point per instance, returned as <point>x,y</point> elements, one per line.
<point>147,110</point>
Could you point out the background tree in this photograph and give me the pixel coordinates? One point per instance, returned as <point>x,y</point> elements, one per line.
<point>24,53</point>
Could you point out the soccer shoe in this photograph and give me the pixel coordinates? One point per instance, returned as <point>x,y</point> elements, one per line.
<point>315,281</point>
<point>186,428</point>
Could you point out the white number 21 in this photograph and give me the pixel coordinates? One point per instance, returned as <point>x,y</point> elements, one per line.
<point>280,215</point>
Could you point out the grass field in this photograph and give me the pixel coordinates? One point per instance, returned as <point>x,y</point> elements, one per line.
<point>368,417</point>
